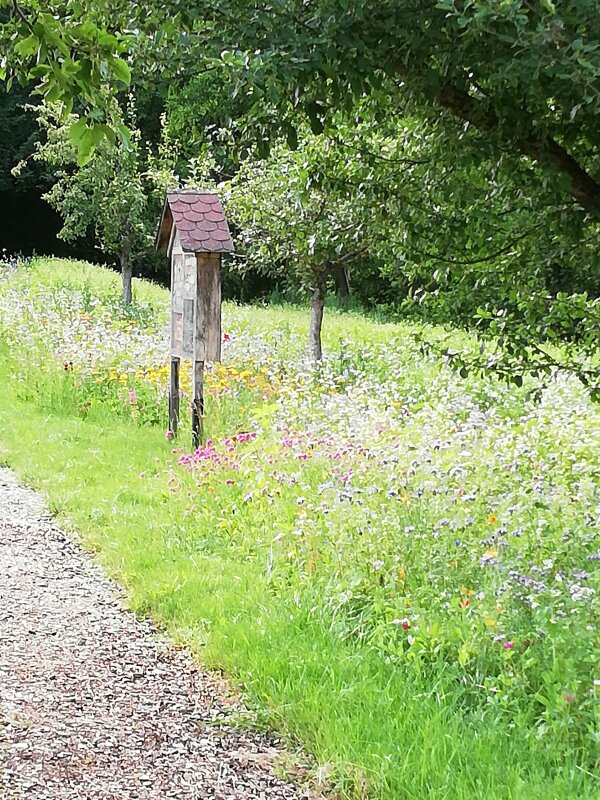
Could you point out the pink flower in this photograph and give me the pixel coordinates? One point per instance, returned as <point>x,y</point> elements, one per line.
<point>508,645</point>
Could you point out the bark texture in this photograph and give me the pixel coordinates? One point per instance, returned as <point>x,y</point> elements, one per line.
<point>126,277</point>
<point>317,305</point>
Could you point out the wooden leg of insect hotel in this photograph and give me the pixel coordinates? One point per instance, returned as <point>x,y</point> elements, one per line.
<point>174,396</point>
<point>198,403</point>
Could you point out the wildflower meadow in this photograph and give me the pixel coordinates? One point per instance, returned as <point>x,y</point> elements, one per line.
<point>399,567</point>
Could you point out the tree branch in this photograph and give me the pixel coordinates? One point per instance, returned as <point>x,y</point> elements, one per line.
<point>19,12</point>
<point>584,189</point>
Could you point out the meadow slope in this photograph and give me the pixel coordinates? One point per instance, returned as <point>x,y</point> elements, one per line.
<point>400,568</point>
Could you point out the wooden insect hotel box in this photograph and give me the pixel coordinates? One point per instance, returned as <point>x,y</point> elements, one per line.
<point>194,233</point>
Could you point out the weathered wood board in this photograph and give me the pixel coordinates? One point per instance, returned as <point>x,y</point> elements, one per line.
<point>208,307</point>
<point>195,304</point>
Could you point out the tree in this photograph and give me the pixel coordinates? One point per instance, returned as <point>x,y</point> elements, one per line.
<point>73,60</point>
<point>110,193</point>
<point>524,74</point>
<point>504,94</point>
<point>300,218</point>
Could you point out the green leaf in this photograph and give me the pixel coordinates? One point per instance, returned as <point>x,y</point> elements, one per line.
<point>77,130</point>
<point>108,41</point>
<point>27,47</point>
<point>124,134</point>
<point>53,94</point>
<point>97,134</point>
<point>122,71</point>
<point>108,133</point>
<point>86,148</point>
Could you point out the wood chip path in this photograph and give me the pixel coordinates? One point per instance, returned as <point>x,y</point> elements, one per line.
<point>94,705</point>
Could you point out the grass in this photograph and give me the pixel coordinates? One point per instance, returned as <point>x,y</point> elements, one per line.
<point>317,562</point>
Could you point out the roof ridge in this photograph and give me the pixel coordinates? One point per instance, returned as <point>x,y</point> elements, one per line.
<point>191,191</point>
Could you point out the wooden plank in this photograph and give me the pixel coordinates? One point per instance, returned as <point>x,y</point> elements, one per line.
<point>187,347</point>
<point>198,403</point>
<point>177,303</point>
<point>174,396</point>
<point>208,307</point>
<point>176,334</point>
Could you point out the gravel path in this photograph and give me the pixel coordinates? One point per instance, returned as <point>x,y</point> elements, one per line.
<point>93,704</point>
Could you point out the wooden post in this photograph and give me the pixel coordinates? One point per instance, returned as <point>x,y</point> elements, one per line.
<point>174,396</point>
<point>198,403</point>
<point>207,340</point>
<point>207,332</point>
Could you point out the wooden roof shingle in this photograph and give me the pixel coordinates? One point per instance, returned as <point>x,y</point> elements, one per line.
<point>200,221</point>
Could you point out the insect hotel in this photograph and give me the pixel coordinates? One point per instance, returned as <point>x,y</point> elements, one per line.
<point>194,233</point>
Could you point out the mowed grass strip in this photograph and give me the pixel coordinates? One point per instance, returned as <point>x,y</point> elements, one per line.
<point>374,728</point>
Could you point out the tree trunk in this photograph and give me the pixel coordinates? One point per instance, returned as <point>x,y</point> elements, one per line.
<point>126,263</point>
<point>317,305</point>
<point>126,276</point>
<point>342,283</point>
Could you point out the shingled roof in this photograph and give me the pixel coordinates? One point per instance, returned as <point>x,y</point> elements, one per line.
<point>200,221</point>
